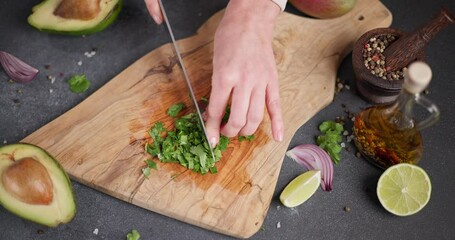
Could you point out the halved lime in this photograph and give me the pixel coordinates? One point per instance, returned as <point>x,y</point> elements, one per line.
<point>301,188</point>
<point>404,189</point>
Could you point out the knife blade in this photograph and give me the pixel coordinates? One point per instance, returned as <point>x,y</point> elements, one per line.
<point>187,79</point>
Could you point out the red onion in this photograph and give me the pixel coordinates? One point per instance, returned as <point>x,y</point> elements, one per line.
<point>314,157</point>
<point>16,69</point>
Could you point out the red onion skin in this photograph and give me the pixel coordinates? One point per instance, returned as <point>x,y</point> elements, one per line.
<point>314,157</point>
<point>17,69</point>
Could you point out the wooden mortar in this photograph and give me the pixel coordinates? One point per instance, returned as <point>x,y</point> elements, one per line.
<point>371,87</point>
<point>406,49</point>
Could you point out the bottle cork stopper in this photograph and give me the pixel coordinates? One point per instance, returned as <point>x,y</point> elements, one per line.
<point>417,77</point>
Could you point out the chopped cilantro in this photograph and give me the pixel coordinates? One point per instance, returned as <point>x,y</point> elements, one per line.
<point>243,138</point>
<point>227,113</point>
<point>133,235</point>
<point>151,164</point>
<point>78,83</point>
<point>185,144</point>
<point>174,110</point>
<point>146,172</point>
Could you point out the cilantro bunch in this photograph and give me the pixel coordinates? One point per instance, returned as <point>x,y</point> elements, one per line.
<point>186,144</point>
<point>330,139</point>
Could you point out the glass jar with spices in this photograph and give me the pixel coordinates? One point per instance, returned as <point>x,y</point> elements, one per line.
<point>390,134</point>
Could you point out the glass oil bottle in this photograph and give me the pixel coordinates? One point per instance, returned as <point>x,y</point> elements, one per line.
<point>389,134</point>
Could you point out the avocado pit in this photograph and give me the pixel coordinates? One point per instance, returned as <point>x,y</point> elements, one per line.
<point>78,9</point>
<point>74,17</point>
<point>28,181</point>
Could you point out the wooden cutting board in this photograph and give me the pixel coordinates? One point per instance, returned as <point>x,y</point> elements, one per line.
<point>100,142</point>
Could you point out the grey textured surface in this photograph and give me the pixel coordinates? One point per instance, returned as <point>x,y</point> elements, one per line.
<point>321,217</point>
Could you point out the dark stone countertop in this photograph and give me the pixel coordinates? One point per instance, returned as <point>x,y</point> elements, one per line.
<point>25,108</point>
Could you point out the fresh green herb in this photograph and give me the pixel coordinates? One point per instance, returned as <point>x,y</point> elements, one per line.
<point>78,83</point>
<point>146,172</point>
<point>133,235</point>
<point>174,110</point>
<point>227,113</point>
<point>204,99</point>
<point>186,144</point>
<point>151,164</point>
<point>243,138</point>
<point>330,139</point>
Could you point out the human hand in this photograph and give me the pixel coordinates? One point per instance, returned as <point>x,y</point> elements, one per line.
<point>153,6</point>
<point>244,70</point>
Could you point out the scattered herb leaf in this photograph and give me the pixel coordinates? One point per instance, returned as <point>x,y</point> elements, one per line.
<point>151,164</point>
<point>133,235</point>
<point>227,113</point>
<point>174,110</point>
<point>78,83</point>
<point>330,139</point>
<point>243,138</point>
<point>146,172</point>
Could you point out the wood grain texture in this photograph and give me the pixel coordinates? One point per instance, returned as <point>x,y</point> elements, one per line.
<point>100,142</point>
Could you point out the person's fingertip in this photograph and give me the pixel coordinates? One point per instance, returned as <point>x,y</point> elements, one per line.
<point>279,136</point>
<point>213,142</point>
<point>157,18</point>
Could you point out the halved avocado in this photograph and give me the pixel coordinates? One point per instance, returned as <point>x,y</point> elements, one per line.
<point>74,17</point>
<point>34,186</point>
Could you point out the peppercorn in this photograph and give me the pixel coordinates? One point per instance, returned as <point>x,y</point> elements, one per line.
<point>374,59</point>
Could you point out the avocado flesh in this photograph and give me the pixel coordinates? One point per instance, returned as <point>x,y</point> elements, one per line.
<point>44,18</point>
<point>62,207</point>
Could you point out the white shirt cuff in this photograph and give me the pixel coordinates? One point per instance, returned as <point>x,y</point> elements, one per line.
<point>280,3</point>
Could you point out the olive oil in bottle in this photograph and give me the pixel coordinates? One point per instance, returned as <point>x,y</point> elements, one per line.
<point>389,134</point>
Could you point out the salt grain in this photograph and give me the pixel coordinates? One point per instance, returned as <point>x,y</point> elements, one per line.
<point>345,133</point>
<point>5,142</point>
<point>343,145</point>
<point>278,225</point>
<point>95,231</point>
<point>90,54</point>
<point>51,90</point>
<point>79,63</point>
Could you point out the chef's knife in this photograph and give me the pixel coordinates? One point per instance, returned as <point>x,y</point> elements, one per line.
<point>187,79</point>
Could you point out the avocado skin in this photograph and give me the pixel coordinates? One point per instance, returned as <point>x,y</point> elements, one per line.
<point>98,28</point>
<point>67,183</point>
